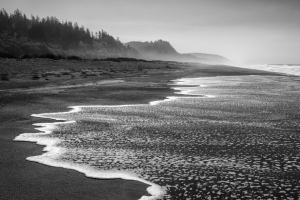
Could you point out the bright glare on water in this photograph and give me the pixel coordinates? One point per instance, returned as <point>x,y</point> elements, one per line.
<point>284,69</point>
<point>242,142</point>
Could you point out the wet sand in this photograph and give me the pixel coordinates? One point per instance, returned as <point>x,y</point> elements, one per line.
<point>24,95</point>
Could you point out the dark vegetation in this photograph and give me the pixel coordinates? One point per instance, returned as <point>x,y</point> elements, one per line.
<point>158,47</point>
<point>23,37</point>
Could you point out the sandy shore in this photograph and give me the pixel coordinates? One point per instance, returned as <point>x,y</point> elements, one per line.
<point>67,83</point>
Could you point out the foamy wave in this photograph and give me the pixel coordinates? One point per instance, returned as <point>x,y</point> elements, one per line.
<point>53,151</point>
<point>232,91</point>
<point>284,69</point>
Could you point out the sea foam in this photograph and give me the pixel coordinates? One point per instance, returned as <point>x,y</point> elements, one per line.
<point>188,144</point>
<point>284,69</point>
<point>52,151</point>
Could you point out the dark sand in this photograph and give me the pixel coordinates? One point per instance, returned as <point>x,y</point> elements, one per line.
<point>37,86</point>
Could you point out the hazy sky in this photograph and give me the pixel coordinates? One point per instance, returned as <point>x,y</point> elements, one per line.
<point>246,31</point>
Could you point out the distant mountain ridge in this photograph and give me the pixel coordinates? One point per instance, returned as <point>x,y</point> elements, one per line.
<point>163,50</point>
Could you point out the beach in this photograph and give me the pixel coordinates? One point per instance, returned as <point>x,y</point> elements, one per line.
<point>100,83</point>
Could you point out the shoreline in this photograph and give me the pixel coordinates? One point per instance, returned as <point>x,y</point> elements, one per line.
<point>28,180</point>
<point>51,151</point>
<point>31,180</point>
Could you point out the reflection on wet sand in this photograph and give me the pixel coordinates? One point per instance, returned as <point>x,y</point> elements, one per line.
<point>240,143</point>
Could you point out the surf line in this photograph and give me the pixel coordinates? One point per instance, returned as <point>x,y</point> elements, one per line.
<point>52,151</point>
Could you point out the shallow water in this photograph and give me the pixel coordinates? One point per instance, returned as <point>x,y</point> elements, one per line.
<point>240,142</point>
<point>280,68</point>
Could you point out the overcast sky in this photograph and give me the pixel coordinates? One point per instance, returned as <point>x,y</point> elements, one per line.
<point>246,31</point>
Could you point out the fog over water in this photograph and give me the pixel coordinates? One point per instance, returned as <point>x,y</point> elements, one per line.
<point>240,141</point>
<point>290,69</point>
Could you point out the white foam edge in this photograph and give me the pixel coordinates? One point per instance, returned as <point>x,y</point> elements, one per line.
<point>53,151</point>
<point>288,69</point>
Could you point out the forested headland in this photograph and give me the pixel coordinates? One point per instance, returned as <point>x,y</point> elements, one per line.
<point>35,37</point>
<point>24,37</point>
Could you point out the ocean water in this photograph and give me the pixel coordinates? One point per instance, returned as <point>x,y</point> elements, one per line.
<point>234,137</point>
<point>281,68</point>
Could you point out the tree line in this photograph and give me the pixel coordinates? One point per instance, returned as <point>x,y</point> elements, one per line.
<point>37,34</point>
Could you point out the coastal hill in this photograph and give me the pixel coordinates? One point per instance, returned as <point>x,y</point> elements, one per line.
<point>163,50</point>
<point>210,58</point>
<point>23,37</point>
<point>158,48</point>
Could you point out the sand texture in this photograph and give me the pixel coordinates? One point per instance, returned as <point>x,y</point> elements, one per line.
<point>41,85</point>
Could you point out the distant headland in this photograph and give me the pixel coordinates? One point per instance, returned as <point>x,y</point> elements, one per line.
<point>23,37</point>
